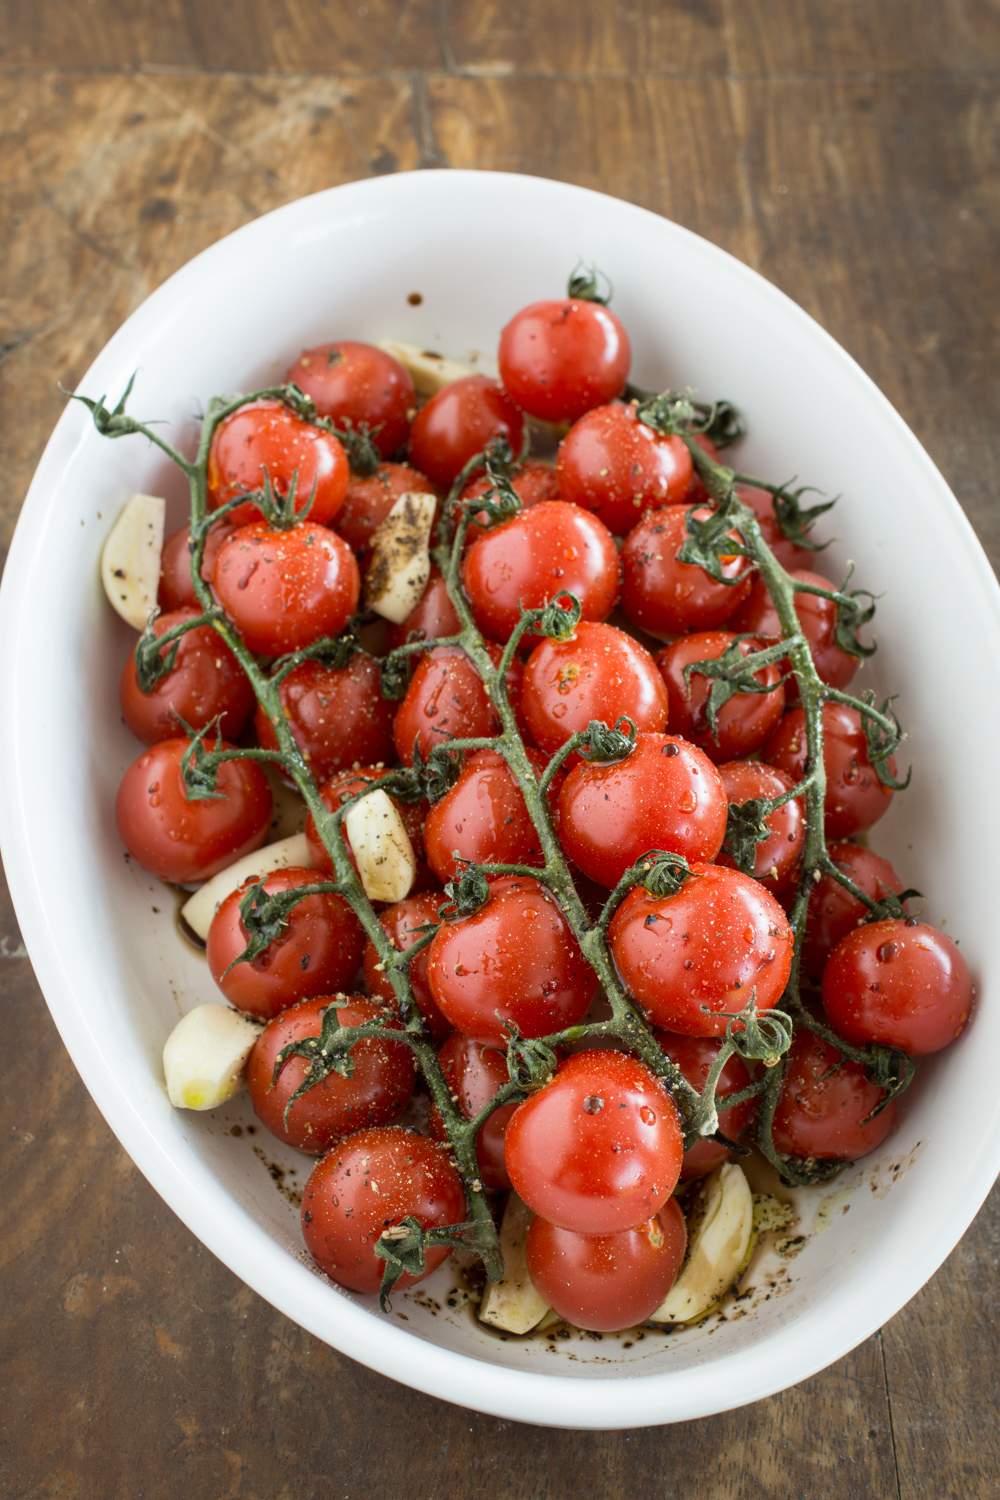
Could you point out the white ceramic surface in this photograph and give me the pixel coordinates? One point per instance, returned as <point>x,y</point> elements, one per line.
<point>116,975</point>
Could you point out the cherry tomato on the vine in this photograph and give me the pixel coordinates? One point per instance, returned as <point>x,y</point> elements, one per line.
<point>790,554</point>
<point>818,618</point>
<point>337,715</point>
<point>181,840</point>
<point>665,795</point>
<point>176,589</point>
<point>353,382</point>
<point>667,597</point>
<point>855,797</point>
<point>826,1105</point>
<point>484,818</point>
<point>317,954</point>
<point>743,723</point>
<point>266,435</point>
<point>457,423</point>
<point>205,682</point>
<point>515,959</point>
<point>371,1181</point>
<point>474,1072</point>
<point>778,856</point>
<point>695,1055</point>
<point>378,1090</point>
<point>369,500</point>
<point>598,1149</point>
<point>285,589</point>
<point>693,959</point>
<point>833,911</point>
<point>432,616</point>
<point>560,358</point>
<point>616,466</point>
<point>401,924</point>
<point>533,483</point>
<point>446,700</point>
<point>900,982</point>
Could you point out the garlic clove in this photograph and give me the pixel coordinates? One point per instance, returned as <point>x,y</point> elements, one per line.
<point>428,371</point>
<point>400,562</point>
<point>512,1303</point>
<point>386,862</point>
<point>200,909</point>
<point>718,1240</point>
<point>205,1057</point>
<point>130,561</point>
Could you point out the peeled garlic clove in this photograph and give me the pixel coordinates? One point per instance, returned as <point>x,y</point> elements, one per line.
<point>400,563</point>
<point>428,371</point>
<point>205,1057</point>
<point>513,1304</point>
<point>130,562</point>
<point>718,1240</point>
<point>200,909</point>
<point>382,848</point>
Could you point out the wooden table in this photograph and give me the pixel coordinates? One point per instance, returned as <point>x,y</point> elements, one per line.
<point>847,149</point>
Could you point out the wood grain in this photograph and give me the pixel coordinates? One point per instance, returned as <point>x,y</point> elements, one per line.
<point>848,151</point>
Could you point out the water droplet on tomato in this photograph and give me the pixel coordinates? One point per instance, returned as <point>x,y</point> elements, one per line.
<point>688,802</point>
<point>885,952</point>
<point>647,1115</point>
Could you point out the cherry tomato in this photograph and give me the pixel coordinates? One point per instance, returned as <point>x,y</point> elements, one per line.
<point>378,1090</point>
<point>666,597</point>
<point>777,857</point>
<point>317,954</point>
<point>373,1180</point>
<point>446,700</point>
<point>818,618</point>
<point>347,784</point>
<point>743,723</point>
<point>613,464</point>
<point>789,554</point>
<point>337,715</point>
<point>402,924</point>
<point>607,1282</point>
<point>599,1148</point>
<point>665,795</point>
<point>285,589</point>
<point>474,1071</point>
<point>484,818</point>
<point>695,1055</point>
<point>457,423</point>
<point>266,435</point>
<point>698,493</point>
<point>353,382</point>
<point>533,482</point>
<point>176,590</point>
<point>855,798</point>
<point>515,959</point>
<point>206,681</point>
<point>834,912</point>
<point>184,841</point>
<point>433,616</point>
<point>369,500</point>
<point>560,358</point>
<point>901,982</point>
<point>601,673</point>
<point>825,1105</point>
<point>548,550</point>
<point>692,959</point>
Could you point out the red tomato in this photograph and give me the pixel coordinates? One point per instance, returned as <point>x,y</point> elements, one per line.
<point>457,423</point>
<point>379,1088</point>
<point>690,958</point>
<point>402,924</point>
<point>825,1103</point>
<point>353,382</point>
<point>901,982</point>
<point>432,617</point>
<point>184,841</point>
<point>337,715</point>
<point>373,1180</point>
<point>818,618</point>
<point>855,798</point>
<point>694,1055</point>
<point>789,554</point>
<point>265,435</point>
<point>446,700</point>
<point>550,549</point>
<point>318,953</point>
<point>777,857</point>
<point>347,784</point>
<point>834,912</point>
<point>599,1148</point>
<point>613,464</point>
<point>742,724</point>
<point>607,1282</point>
<point>369,500</point>
<point>176,589</point>
<point>558,359</point>
<point>601,673</point>
<point>285,589</point>
<point>533,483</point>
<point>665,795</point>
<point>206,681</point>
<point>484,818</point>
<point>474,1071</point>
<point>515,959</point>
<point>666,597</point>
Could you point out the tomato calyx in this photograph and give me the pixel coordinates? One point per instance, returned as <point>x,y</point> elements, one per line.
<point>584,282</point>
<point>330,1051</point>
<point>531,1061</point>
<point>264,914</point>
<point>466,895</point>
<point>403,1247</point>
<point>358,443</point>
<point>156,655</point>
<point>733,672</point>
